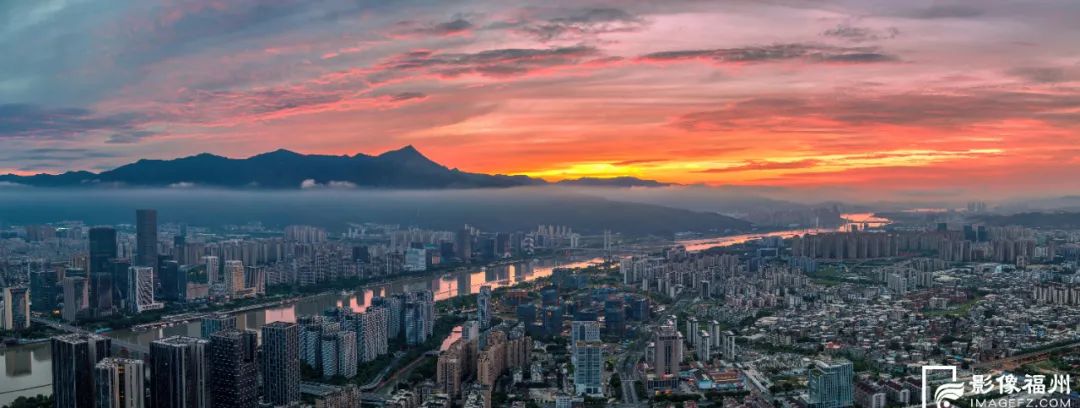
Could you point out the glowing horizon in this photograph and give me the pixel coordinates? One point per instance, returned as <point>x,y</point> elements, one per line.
<point>963,97</point>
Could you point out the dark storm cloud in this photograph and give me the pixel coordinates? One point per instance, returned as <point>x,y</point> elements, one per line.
<point>777,52</point>
<point>33,121</point>
<point>856,34</point>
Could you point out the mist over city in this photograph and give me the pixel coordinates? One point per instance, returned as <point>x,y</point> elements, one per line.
<point>539,204</point>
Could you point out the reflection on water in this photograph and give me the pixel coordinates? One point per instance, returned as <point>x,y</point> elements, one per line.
<point>694,245</point>
<point>863,221</point>
<point>17,363</point>
<point>27,372</point>
<point>853,222</point>
<point>455,334</point>
<point>444,287</point>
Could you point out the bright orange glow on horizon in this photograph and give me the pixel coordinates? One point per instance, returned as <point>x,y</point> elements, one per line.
<point>875,96</point>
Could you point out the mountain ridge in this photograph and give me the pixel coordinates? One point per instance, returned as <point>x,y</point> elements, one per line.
<point>405,167</point>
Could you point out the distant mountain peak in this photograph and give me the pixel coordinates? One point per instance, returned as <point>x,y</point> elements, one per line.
<point>408,148</point>
<point>408,151</point>
<point>409,155</point>
<point>278,153</point>
<point>285,169</point>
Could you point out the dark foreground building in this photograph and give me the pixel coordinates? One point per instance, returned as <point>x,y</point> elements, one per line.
<point>73,359</point>
<point>179,370</point>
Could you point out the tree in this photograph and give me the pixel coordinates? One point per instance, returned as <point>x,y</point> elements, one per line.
<point>39,401</point>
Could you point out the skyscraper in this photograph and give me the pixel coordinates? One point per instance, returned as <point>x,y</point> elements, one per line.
<point>587,331</point>
<point>730,348</point>
<point>102,252</point>
<point>102,249</point>
<point>470,330</point>
<point>76,298</point>
<point>255,279</point>
<point>179,367</point>
<point>552,320</point>
<point>43,291</point>
<point>234,369</point>
<point>463,245</point>
<point>281,363</point>
<point>180,246</point>
<point>483,307</point>
<point>614,317</point>
<point>394,314</point>
<point>141,289</point>
<point>120,284</point>
<point>173,284</point>
<point>121,383</point>
<point>415,259</point>
<point>414,323</point>
<point>339,354</point>
<point>213,269</point>
<point>234,276</point>
<point>830,385</point>
<point>16,312</point>
<point>146,238</point>
<point>450,368</point>
<point>312,329</point>
<point>216,322</point>
<point>73,359</point>
<point>419,316</point>
<point>100,294</point>
<point>371,330</point>
<point>668,353</point>
<point>588,366</point>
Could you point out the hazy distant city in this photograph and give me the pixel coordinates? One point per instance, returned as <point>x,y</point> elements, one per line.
<point>786,311</point>
<point>539,204</point>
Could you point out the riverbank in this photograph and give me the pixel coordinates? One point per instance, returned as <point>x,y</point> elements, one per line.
<point>446,286</point>
<point>278,295</point>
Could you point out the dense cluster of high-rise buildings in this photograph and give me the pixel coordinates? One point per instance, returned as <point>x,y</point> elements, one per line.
<point>101,272</point>
<point>968,244</point>
<point>228,369</point>
<point>821,320</point>
<point>481,357</point>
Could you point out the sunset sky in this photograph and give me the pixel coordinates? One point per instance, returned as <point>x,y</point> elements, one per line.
<point>909,97</point>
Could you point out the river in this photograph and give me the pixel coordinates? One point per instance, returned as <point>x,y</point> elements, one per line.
<point>27,370</point>
<point>852,222</point>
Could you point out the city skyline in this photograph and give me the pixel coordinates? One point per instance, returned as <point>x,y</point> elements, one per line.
<point>474,317</point>
<point>876,96</point>
<point>539,204</point>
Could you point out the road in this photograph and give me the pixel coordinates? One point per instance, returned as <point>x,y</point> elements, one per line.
<point>132,347</point>
<point>628,373</point>
<point>375,382</point>
<point>628,370</point>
